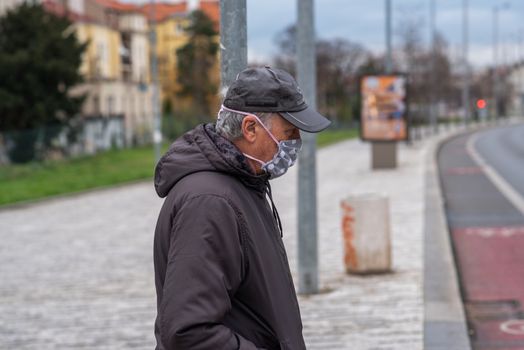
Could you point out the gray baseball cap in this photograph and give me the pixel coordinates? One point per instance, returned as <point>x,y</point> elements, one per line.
<point>266,89</point>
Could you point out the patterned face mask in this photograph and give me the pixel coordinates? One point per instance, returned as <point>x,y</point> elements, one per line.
<point>284,158</point>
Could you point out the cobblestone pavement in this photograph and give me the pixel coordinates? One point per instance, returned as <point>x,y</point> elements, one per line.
<point>76,272</point>
<point>363,312</point>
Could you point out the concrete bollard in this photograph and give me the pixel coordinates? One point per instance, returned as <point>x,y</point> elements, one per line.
<point>366,231</point>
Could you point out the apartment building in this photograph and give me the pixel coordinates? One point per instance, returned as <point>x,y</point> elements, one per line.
<point>116,64</point>
<point>170,19</point>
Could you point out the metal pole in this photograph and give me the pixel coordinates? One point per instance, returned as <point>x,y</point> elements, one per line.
<point>155,99</point>
<point>495,61</point>
<point>307,200</point>
<point>384,155</point>
<point>233,40</point>
<point>519,70</point>
<point>465,62</point>
<point>432,111</point>
<point>496,55</point>
<point>389,59</point>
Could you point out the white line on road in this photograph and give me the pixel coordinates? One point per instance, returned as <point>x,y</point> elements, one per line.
<point>504,187</point>
<point>513,327</point>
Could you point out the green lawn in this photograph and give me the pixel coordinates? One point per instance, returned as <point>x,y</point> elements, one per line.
<point>33,181</point>
<point>328,137</point>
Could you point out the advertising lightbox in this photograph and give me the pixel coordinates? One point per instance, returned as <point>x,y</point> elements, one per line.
<point>383,108</point>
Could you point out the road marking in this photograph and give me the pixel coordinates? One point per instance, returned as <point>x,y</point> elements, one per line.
<point>489,232</point>
<point>515,327</point>
<point>503,186</point>
<point>471,170</point>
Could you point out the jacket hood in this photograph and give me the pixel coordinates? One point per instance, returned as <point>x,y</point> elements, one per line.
<point>202,149</point>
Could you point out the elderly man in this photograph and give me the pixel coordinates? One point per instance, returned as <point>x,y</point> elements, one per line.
<point>221,270</point>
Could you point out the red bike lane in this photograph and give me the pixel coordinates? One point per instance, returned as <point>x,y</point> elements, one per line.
<point>487,233</point>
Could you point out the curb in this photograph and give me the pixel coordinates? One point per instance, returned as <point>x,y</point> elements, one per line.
<point>445,325</point>
<point>444,317</point>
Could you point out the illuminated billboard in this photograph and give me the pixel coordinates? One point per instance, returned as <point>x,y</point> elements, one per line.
<point>383,115</point>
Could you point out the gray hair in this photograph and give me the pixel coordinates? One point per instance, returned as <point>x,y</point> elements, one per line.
<point>229,124</point>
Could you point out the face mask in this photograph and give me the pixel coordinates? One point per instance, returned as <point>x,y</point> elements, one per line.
<point>284,158</point>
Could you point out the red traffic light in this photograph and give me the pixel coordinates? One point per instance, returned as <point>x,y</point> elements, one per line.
<point>481,104</point>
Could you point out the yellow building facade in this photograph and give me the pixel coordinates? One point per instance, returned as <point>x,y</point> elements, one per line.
<point>115,67</point>
<point>170,21</point>
<point>102,58</point>
<point>171,36</point>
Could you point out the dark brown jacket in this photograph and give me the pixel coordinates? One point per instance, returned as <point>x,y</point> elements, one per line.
<point>221,270</point>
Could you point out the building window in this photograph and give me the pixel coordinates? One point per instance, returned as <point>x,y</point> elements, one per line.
<point>110,104</point>
<point>179,28</point>
<point>96,105</point>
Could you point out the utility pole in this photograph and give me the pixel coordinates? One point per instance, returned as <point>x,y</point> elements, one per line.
<point>465,62</point>
<point>155,99</point>
<point>384,154</point>
<point>496,80</point>
<point>432,110</point>
<point>496,60</point>
<point>307,182</point>
<point>519,71</point>
<point>233,40</point>
<point>389,59</point>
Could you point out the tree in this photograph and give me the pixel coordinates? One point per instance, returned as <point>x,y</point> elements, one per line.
<point>195,61</point>
<point>440,86</point>
<point>338,62</point>
<point>415,60</point>
<point>286,41</point>
<point>40,58</point>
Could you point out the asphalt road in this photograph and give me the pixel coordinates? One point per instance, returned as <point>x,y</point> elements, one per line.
<point>482,177</point>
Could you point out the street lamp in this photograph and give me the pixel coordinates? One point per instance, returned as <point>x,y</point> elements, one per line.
<point>155,98</point>
<point>515,60</point>
<point>465,63</point>
<point>496,82</point>
<point>389,59</point>
<point>433,79</point>
<point>519,65</point>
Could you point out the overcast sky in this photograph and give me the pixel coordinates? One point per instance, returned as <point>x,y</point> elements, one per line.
<point>362,21</point>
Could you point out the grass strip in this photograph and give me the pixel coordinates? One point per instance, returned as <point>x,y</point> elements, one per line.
<point>38,180</point>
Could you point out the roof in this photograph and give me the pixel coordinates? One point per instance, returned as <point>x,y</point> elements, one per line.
<point>58,9</point>
<point>163,10</point>
<point>212,9</point>
<point>118,6</point>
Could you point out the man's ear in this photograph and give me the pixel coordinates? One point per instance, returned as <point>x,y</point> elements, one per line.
<point>249,124</point>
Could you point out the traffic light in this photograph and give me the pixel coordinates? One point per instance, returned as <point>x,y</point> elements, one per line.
<point>481,104</point>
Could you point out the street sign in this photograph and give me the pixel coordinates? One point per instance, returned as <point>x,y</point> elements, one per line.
<point>383,114</point>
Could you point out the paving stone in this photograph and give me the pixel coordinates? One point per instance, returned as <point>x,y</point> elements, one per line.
<point>77,272</point>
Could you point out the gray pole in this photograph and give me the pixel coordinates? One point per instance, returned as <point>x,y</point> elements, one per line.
<point>495,61</point>
<point>155,102</point>
<point>519,70</point>
<point>389,59</point>
<point>307,200</point>
<point>384,154</point>
<point>233,40</point>
<point>432,111</point>
<point>465,62</point>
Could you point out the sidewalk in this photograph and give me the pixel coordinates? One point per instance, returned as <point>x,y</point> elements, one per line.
<point>77,272</point>
<point>363,312</point>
